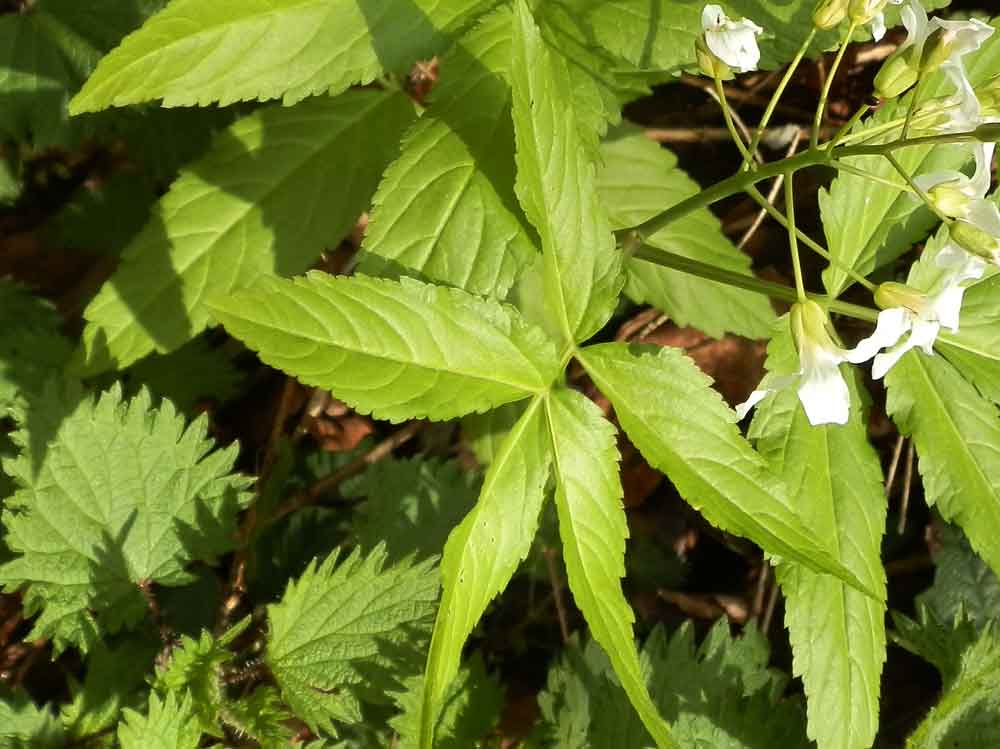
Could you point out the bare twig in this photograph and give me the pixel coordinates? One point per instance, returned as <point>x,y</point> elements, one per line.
<point>890,477</point>
<point>556,583</point>
<point>773,193</point>
<point>758,599</point>
<point>904,502</point>
<point>769,611</point>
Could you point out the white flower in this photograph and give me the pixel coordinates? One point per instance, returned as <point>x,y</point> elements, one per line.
<point>733,42</point>
<point>870,11</point>
<point>907,310</point>
<point>821,387</point>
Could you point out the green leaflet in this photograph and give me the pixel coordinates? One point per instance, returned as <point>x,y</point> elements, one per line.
<point>341,628</point>
<point>446,206</point>
<point>124,494</point>
<point>975,348</point>
<point>957,436</point>
<point>168,724</point>
<point>482,553</point>
<point>963,583</point>
<point>593,530</point>
<point>640,179</point>
<point>198,53</point>
<point>682,427</point>
<point>267,198</point>
<point>868,224</point>
<point>396,349</point>
<point>556,187</point>
<point>22,724</point>
<point>837,634</point>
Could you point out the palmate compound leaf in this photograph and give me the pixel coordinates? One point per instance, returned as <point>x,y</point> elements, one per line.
<point>167,724</point>
<point>344,627</point>
<point>274,190</point>
<point>593,530</point>
<point>957,436</point>
<point>484,550</point>
<point>198,53</point>
<point>868,224</point>
<point>556,186</point>
<point>683,428</point>
<point>446,207</point>
<point>837,633</point>
<point>719,695</point>
<point>396,349</point>
<point>638,180</point>
<point>125,494</point>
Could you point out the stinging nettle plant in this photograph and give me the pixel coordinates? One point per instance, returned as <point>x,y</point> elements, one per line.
<point>510,213</point>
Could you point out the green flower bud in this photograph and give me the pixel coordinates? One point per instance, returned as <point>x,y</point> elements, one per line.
<point>948,198</point>
<point>891,294</point>
<point>974,240</point>
<point>863,11</point>
<point>937,48</point>
<point>810,325</point>
<point>829,13</point>
<point>897,75</point>
<point>988,133</point>
<point>709,64</point>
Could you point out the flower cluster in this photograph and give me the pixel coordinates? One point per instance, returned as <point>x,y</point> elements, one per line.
<point>910,318</point>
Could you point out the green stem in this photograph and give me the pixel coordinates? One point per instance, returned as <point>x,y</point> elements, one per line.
<point>821,108</point>
<point>814,156</point>
<point>728,117</point>
<point>793,240</point>
<point>847,126</point>
<point>776,96</point>
<point>912,108</point>
<point>916,188</point>
<point>750,283</point>
<point>845,167</point>
<point>808,241</point>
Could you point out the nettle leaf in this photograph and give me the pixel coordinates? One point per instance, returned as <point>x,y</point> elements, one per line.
<point>446,207</point>
<point>225,51</point>
<point>412,505</point>
<point>124,495</point>
<point>115,675</point>
<point>868,224</point>
<point>267,198</point>
<point>167,725</point>
<point>396,349</point>
<point>31,347</point>
<point>640,179</point>
<point>837,633</point>
<point>719,694</point>
<point>963,582</point>
<point>957,434</point>
<point>593,530</point>
<point>195,667</point>
<point>263,717</point>
<point>195,371</point>
<point>23,725</point>
<point>343,627</point>
<point>683,428</point>
<point>482,553</point>
<point>47,51</point>
<point>470,709</point>
<point>556,187</point>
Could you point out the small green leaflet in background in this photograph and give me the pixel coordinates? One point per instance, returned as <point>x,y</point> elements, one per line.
<point>25,726</point>
<point>470,709</point>
<point>396,349</point>
<point>868,224</point>
<point>123,494</point>
<point>411,505</point>
<point>593,530</point>
<point>956,433</point>
<point>446,206</point>
<point>345,627</point>
<point>719,695</point>
<point>268,198</point>
<point>10,181</point>
<point>682,427</point>
<point>47,52</point>
<point>168,724</point>
<point>837,634</point>
<point>482,553</point>
<point>638,180</point>
<point>486,432</point>
<point>963,582</point>
<point>226,51</point>
<point>556,187</point>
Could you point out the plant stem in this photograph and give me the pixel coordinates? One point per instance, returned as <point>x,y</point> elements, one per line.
<point>728,117</point>
<point>845,167</point>
<point>793,240</point>
<point>916,188</point>
<point>667,259</point>
<point>814,156</point>
<point>821,108</point>
<point>808,241</point>
<point>855,118</point>
<point>776,96</point>
<point>912,108</point>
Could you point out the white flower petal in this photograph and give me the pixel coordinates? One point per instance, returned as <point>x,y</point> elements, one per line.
<point>947,308</point>
<point>915,20</point>
<point>735,44</point>
<point>968,115</point>
<point>774,384</point>
<point>892,324</point>
<point>924,334</point>
<point>951,256</point>
<point>966,36</point>
<point>712,18</point>
<point>886,361</point>
<point>984,214</point>
<point>824,395</point>
<point>980,182</point>
<point>878,31</point>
